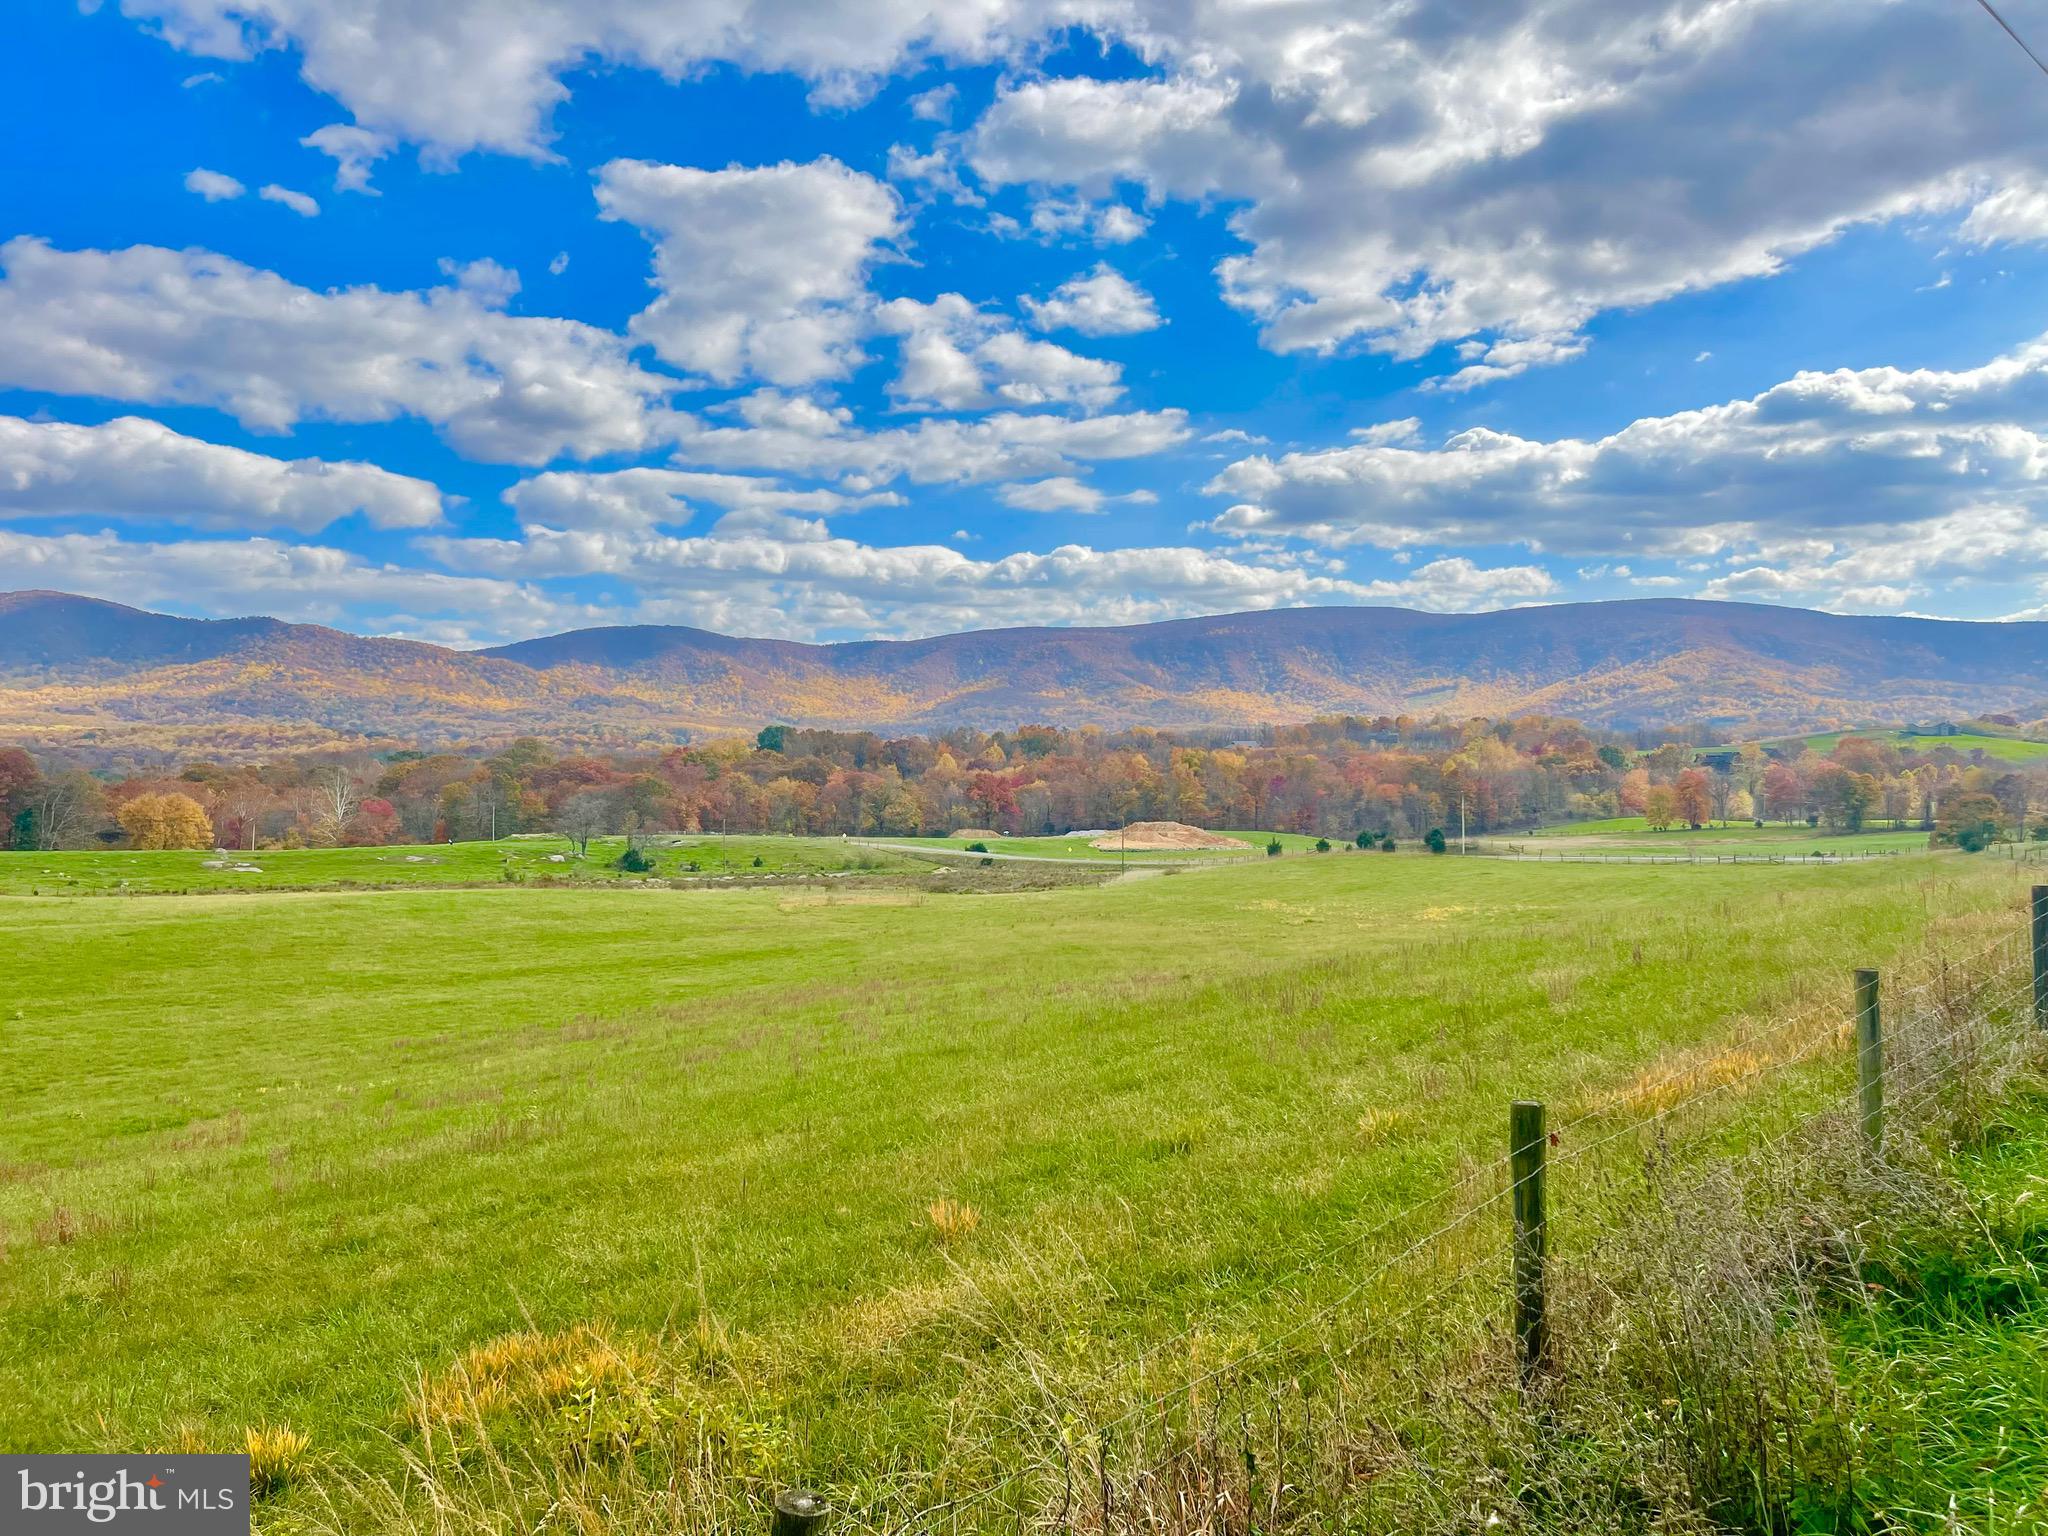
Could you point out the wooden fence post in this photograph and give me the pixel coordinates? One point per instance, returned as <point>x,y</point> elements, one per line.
<point>798,1512</point>
<point>2041,956</point>
<point>1869,1059</point>
<point>1527,1146</point>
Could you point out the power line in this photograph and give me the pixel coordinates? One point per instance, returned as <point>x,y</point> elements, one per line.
<point>1990,11</point>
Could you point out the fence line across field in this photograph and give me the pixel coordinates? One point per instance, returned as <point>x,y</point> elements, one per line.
<point>1320,1262</point>
<point>1161,1404</point>
<point>1963,985</point>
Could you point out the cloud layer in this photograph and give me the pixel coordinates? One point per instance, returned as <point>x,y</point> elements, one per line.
<point>1866,483</point>
<point>136,469</point>
<point>1405,177</point>
<point>996,303</point>
<point>163,327</point>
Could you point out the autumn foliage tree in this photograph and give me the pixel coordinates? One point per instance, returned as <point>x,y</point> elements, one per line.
<point>19,780</point>
<point>165,821</point>
<point>1693,797</point>
<point>1784,794</point>
<point>1970,822</point>
<point>1660,807</point>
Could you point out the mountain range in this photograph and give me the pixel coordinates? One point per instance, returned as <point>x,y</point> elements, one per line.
<point>120,683</point>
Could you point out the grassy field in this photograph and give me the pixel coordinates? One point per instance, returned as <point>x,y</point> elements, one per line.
<point>847,1172</point>
<point>2006,749</point>
<point>1633,834</point>
<point>533,860</point>
<point>1954,1332</point>
<point>1071,847</point>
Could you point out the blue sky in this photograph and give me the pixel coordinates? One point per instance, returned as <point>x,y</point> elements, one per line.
<point>475,321</point>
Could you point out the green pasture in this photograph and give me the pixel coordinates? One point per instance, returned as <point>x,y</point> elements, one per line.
<point>537,860</point>
<point>2005,749</point>
<point>1636,836</point>
<point>1074,847</point>
<point>271,1160</point>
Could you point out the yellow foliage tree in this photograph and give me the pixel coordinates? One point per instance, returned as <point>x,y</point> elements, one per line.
<point>165,821</point>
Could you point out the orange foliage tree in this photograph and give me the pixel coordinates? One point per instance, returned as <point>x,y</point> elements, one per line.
<point>165,821</point>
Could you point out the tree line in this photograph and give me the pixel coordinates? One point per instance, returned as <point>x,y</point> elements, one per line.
<point>1337,777</point>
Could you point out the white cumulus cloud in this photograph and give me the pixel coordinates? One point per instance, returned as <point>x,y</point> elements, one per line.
<point>1101,302</point>
<point>958,357</point>
<point>214,186</point>
<point>131,468</point>
<point>1851,479</point>
<point>761,270</point>
<point>304,206</point>
<point>1064,493</point>
<point>354,151</point>
<point>193,328</point>
<point>628,499</point>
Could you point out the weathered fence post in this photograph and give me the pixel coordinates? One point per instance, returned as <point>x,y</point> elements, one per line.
<point>2041,956</point>
<point>1869,1059</point>
<point>798,1512</point>
<point>1527,1145</point>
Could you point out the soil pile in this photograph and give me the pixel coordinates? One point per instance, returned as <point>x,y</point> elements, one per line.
<point>1166,837</point>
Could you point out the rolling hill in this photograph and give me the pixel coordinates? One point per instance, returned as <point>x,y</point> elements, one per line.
<point>101,677</point>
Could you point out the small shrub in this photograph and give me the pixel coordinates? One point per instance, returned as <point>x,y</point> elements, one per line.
<point>634,862</point>
<point>977,847</point>
<point>988,863</point>
<point>1386,843</point>
<point>1273,849</point>
<point>1322,845</point>
<point>1366,840</point>
<point>952,1220</point>
<point>1434,840</point>
<point>759,861</point>
<point>277,1456</point>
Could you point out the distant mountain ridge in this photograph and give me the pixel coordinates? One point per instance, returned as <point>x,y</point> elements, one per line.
<point>99,676</point>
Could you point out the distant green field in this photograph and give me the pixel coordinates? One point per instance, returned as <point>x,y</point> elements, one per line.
<point>1071,847</point>
<point>2007,749</point>
<point>1634,834</point>
<point>507,861</point>
<point>270,1159</point>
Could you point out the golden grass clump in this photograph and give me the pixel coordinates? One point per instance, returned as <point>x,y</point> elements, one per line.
<point>1662,1088</point>
<point>184,1439</point>
<point>1378,1125</point>
<point>278,1455</point>
<point>521,1372</point>
<point>952,1220</point>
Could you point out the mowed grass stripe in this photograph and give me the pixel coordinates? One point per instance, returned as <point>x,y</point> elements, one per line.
<point>306,1146</point>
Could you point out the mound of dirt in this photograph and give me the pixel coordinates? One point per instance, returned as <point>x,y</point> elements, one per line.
<point>975,832</point>
<point>1165,837</point>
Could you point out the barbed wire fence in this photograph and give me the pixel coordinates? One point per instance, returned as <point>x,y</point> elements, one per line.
<point>1088,1455</point>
